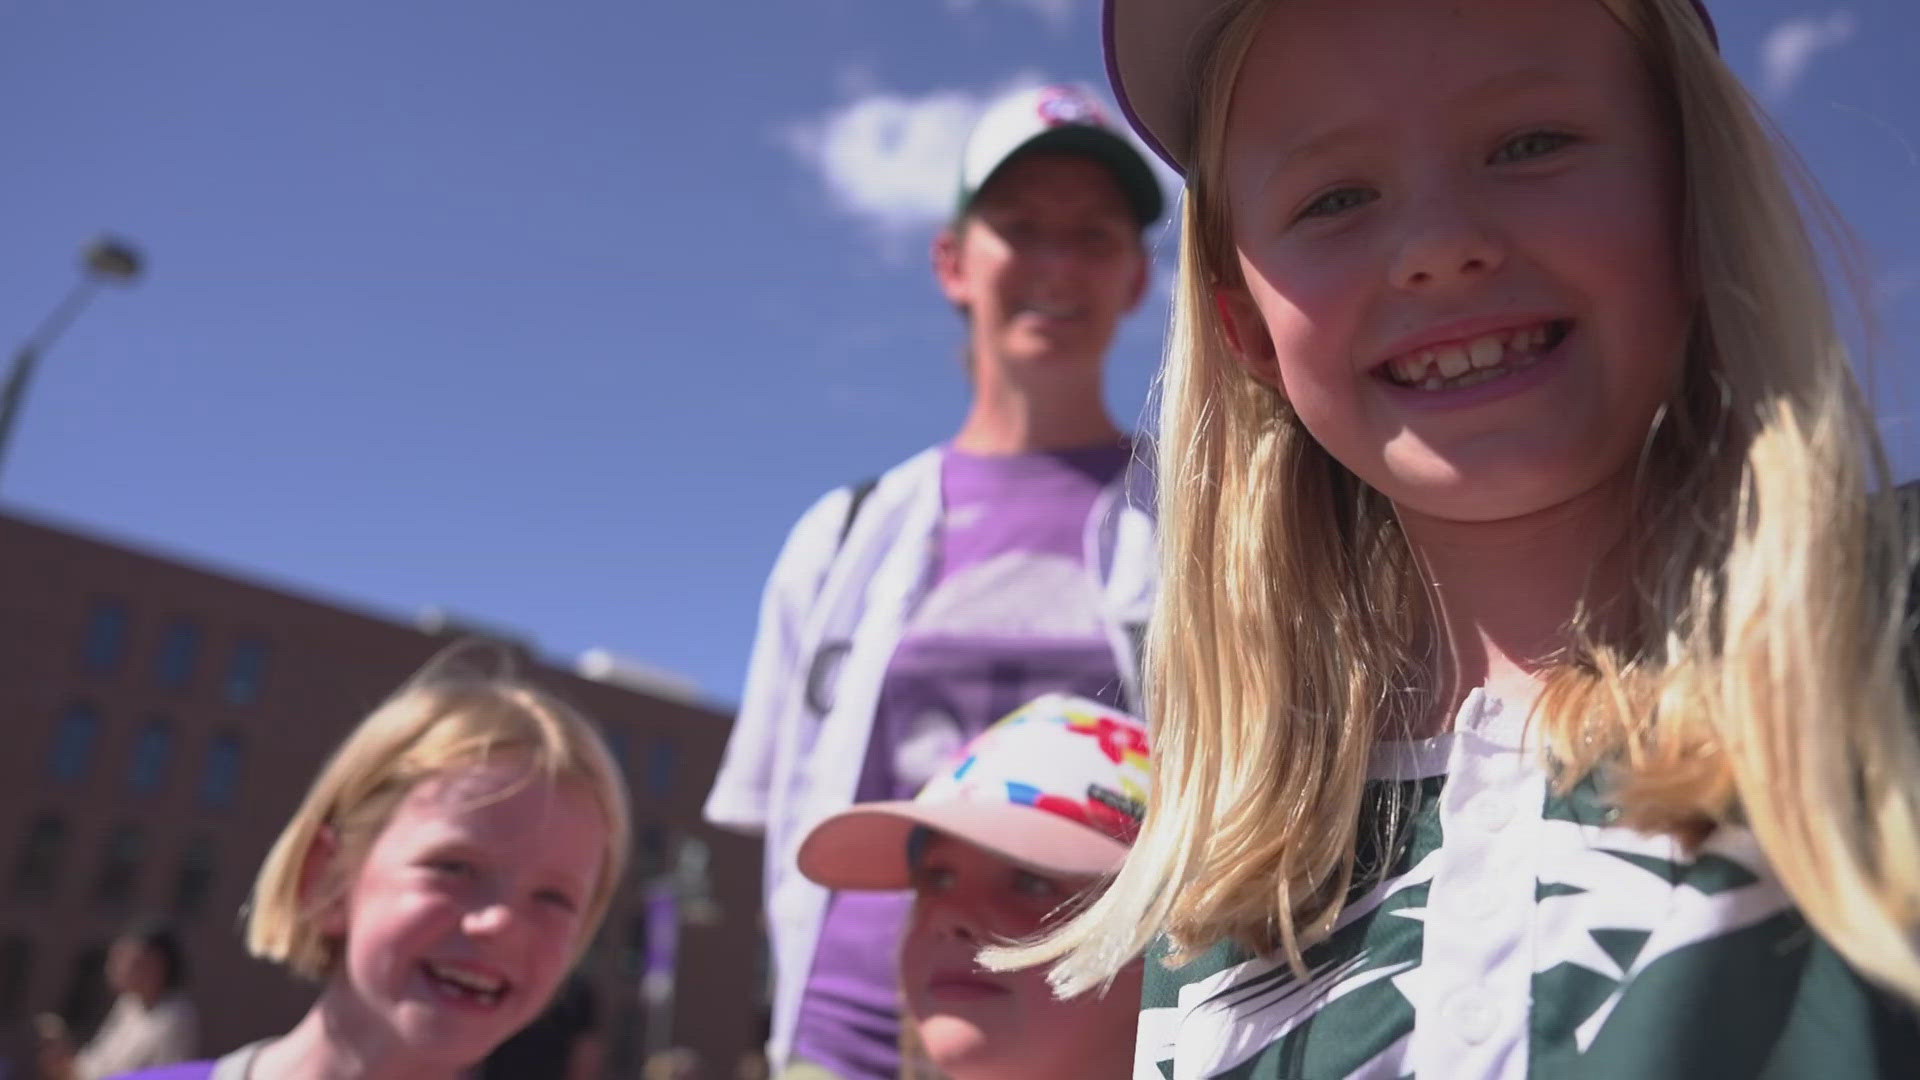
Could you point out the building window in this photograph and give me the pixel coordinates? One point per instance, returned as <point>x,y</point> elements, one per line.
<point>633,958</point>
<point>73,742</point>
<point>195,879</point>
<point>663,759</point>
<point>106,642</point>
<point>37,869</point>
<point>119,865</point>
<point>150,753</point>
<point>619,744</point>
<point>179,653</point>
<point>220,780</point>
<point>16,972</point>
<point>652,852</point>
<point>246,671</point>
<point>88,996</point>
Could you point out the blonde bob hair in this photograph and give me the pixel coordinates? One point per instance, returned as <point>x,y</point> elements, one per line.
<point>448,716</point>
<point>1759,683</point>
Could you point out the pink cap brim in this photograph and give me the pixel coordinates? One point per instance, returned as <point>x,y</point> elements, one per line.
<point>865,847</point>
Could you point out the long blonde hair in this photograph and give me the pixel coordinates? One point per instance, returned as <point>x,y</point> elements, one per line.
<point>1762,682</point>
<point>449,715</point>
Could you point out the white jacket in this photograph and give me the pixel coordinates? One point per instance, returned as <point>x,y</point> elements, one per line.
<point>831,616</point>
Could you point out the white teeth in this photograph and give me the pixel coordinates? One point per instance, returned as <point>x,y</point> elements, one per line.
<point>468,980</point>
<point>1471,363</point>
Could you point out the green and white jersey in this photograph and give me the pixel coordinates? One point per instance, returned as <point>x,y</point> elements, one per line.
<point>1518,933</point>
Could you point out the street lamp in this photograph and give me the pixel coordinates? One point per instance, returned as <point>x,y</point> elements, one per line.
<point>106,261</point>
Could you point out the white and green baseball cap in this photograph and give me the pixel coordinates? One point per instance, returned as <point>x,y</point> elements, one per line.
<point>1056,119</point>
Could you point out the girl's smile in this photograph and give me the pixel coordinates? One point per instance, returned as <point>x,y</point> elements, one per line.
<point>466,912</point>
<point>1454,361</point>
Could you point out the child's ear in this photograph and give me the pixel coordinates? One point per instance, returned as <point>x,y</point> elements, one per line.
<point>317,878</point>
<point>946,265</point>
<point>1246,334</point>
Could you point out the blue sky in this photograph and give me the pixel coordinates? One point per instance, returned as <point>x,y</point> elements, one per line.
<point>557,314</point>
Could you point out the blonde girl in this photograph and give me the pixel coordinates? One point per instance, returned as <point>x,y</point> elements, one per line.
<point>1526,672</point>
<point>444,872</point>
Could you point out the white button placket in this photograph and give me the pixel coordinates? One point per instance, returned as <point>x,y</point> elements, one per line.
<point>1476,960</point>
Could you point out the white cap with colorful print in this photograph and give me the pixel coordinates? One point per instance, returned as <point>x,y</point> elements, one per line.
<point>1059,786</point>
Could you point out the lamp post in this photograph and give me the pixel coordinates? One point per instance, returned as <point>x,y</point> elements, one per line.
<point>106,261</point>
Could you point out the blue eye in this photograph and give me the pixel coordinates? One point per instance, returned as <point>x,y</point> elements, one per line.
<point>1531,145</point>
<point>1338,201</point>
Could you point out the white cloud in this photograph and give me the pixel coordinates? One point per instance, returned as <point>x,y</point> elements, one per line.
<point>1791,46</point>
<point>893,160</point>
<point>1057,12</point>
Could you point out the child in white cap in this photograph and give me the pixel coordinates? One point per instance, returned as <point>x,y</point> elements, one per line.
<point>1039,809</point>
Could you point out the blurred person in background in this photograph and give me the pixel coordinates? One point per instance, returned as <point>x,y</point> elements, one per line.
<point>1036,814</point>
<point>151,1024</point>
<point>904,615</point>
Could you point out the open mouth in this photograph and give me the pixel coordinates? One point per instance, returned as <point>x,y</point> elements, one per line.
<point>465,985</point>
<point>1482,359</point>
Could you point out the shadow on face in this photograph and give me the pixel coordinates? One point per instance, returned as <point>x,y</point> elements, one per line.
<point>975,1024</point>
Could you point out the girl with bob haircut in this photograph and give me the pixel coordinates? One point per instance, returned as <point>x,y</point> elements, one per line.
<point>1526,677</point>
<point>444,872</point>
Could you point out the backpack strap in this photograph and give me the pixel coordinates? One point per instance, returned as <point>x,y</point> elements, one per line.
<point>823,672</point>
<point>858,493</point>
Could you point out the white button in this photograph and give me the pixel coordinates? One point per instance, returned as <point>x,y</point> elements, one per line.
<point>1472,1016</point>
<point>1490,810</point>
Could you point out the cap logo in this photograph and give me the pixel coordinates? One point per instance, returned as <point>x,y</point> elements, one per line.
<point>1063,105</point>
<point>1120,742</point>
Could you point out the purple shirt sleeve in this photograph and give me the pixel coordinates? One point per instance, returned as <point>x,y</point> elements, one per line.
<point>186,1070</point>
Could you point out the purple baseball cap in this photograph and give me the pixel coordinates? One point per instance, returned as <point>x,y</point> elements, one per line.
<point>1149,46</point>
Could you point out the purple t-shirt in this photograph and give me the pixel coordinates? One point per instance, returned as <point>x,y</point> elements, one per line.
<point>186,1070</point>
<point>1013,613</point>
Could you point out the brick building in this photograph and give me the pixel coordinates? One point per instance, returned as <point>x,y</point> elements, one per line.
<point>165,719</point>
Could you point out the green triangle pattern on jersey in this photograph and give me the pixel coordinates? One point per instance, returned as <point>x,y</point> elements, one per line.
<point>1350,1013</point>
<point>1651,961</point>
<point>1622,945</point>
